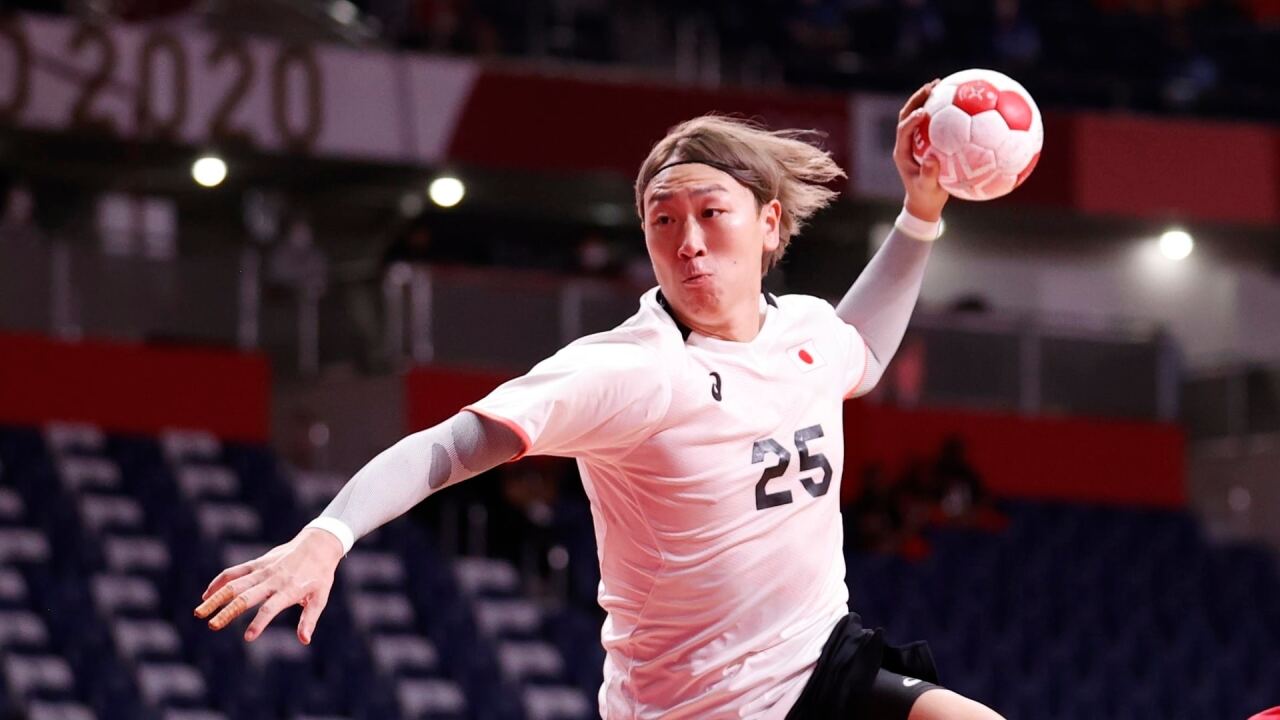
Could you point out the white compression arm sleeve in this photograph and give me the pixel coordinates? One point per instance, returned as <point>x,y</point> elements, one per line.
<point>404,474</point>
<point>880,302</point>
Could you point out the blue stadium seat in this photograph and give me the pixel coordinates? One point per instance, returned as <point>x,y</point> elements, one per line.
<point>1074,612</point>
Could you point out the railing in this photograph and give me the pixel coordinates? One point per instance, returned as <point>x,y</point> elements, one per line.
<point>63,289</point>
<point>511,319</point>
<point>371,319</point>
<point>1232,418</point>
<point>1232,402</point>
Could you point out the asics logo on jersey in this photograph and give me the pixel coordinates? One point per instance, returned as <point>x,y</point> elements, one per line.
<point>715,386</point>
<point>908,682</point>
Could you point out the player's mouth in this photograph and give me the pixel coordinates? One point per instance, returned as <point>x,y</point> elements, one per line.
<point>700,278</point>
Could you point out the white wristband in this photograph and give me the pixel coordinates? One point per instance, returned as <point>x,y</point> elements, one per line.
<point>338,529</point>
<point>917,228</point>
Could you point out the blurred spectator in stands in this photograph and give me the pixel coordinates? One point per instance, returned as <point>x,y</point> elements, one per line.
<point>305,445</point>
<point>921,31</point>
<point>15,203</point>
<point>1016,40</point>
<point>412,249</point>
<point>639,271</point>
<point>920,490</point>
<point>395,17</point>
<point>297,263</point>
<point>532,488</point>
<point>452,27</point>
<point>414,246</point>
<point>263,214</point>
<point>521,518</point>
<point>595,258</point>
<point>581,29</point>
<point>918,495</point>
<point>508,22</point>
<point>890,517</point>
<point>959,485</point>
<point>970,304</point>
<point>873,521</point>
<point>1190,71</point>
<point>963,497</point>
<point>60,208</point>
<point>437,26</point>
<point>297,271</point>
<point>642,35</point>
<point>817,33</point>
<point>17,220</point>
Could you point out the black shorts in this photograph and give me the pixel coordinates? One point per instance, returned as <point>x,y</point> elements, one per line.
<point>860,677</point>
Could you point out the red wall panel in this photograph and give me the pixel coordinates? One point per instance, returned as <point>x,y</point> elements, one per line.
<point>1160,169</point>
<point>434,394</point>
<point>1053,183</point>
<point>1074,459</point>
<point>530,121</point>
<point>1129,166</point>
<point>134,388</point>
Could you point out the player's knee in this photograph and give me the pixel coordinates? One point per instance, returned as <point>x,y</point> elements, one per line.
<point>942,704</point>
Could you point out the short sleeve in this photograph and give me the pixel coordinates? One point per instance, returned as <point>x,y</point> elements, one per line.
<point>857,357</point>
<point>588,398</point>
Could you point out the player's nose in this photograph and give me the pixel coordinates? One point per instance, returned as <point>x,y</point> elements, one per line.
<point>692,241</point>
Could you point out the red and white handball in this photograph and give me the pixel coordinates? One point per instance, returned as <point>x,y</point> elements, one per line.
<point>985,131</point>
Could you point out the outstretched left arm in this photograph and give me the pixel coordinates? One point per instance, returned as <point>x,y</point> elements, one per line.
<point>880,302</point>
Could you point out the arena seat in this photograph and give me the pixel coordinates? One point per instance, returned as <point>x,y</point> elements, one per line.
<point>556,703</point>
<point>42,710</point>
<point>94,615</point>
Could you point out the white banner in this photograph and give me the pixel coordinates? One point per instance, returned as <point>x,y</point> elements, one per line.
<point>163,83</point>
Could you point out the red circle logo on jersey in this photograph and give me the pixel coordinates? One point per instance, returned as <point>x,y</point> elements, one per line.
<point>806,357</point>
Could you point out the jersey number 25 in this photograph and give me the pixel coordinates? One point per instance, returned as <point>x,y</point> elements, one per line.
<point>808,461</point>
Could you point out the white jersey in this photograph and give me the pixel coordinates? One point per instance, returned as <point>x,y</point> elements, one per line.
<point>713,469</point>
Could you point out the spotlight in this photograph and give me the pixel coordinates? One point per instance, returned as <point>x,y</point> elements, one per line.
<point>446,191</point>
<point>1176,244</point>
<point>209,171</point>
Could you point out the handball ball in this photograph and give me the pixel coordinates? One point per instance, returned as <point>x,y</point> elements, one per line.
<point>985,131</point>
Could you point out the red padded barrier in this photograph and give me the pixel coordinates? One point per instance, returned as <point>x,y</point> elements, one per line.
<point>134,388</point>
<point>1073,459</point>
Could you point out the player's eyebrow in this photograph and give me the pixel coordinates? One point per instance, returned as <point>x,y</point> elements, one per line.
<point>660,195</point>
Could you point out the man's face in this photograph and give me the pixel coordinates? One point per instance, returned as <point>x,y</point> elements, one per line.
<point>706,239</point>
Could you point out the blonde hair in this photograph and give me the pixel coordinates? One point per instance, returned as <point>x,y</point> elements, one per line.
<point>782,164</point>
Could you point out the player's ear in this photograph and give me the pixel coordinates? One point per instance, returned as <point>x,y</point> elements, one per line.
<point>771,224</point>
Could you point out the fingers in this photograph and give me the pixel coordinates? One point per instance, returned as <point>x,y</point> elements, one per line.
<point>287,576</point>
<point>233,599</point>
<point>240,604</point>
<point>272,607</point>
<point>311,609</point>
<point>906,128</point>
<point>218,599</point>
<point>917,99</point>
<point>223,596</point>
<point>225,577</point>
